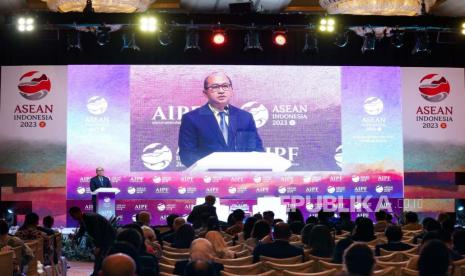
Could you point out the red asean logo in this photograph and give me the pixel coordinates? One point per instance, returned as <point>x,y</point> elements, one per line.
<point>434,88</point>
<point>34,86</point>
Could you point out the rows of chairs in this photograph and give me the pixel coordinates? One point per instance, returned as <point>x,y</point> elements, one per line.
<point>10,259</point>
<point>390,263</point>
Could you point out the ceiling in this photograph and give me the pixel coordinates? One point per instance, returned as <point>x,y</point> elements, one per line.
<point>453,8</point>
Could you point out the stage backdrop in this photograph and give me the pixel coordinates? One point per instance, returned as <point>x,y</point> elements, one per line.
<point>343,129</point>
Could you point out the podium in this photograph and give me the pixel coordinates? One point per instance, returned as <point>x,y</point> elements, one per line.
<point>106,201</point>
<point>241,161</point>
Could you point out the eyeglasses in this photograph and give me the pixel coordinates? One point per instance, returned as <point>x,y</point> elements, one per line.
<point>217,87</point>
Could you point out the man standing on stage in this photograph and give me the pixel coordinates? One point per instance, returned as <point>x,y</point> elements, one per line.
<point>98,181</point>
<point>217,126</point>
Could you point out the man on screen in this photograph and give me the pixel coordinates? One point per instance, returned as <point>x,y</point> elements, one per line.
<point>217,126</point>
<point>98,181</point>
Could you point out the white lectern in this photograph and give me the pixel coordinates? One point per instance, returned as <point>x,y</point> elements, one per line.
<point>106,201</point>
<point>241,161</point>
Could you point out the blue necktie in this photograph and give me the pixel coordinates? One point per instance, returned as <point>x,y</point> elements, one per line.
<point>223,126</point>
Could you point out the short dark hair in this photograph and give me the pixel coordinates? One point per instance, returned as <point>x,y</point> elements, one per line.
<point>74,210</point>
<point>359,259</point>
<point>238,215</point>
<point>434,259</point>
<point>210,199</point>
<point>380,215</point>
<point>393,233</point>
<point>48,221</point>
<point>411,217</point>
<point>31,219</point>
<point>170,219</point>
<point>131,236</point>
<point>458,239</point>
<point>282,231</point>
<point>3,227</point>
<point>260,229</point>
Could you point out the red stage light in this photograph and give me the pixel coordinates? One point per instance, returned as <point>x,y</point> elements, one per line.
<point>280,39</point>
<point>219,38</point>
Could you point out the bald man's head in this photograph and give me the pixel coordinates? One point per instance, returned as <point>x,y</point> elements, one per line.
<point>118,265</point>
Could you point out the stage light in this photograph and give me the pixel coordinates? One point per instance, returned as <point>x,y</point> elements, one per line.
<point>10,211</point>
<point>74,41</point>
<point>397,38</point>
<point>148,24</point>
<point>252,41</point>
<point>129,43</point>
<point>342,39</point>
<point>219,37</point>
<point>279,38</point>
<point>421,43</point>
<point>463,28</point>
<point>327,25</point>
<point>102,34</point>
<point>311,43</point>
<point>192,40</point>
<point>460,208</point>
<point>25,24</point>
<point>369,42</point>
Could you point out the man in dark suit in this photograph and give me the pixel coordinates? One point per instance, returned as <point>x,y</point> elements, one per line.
<point>99,229</point>
<point>202,212</point>
<point>217,126</point>
<point>394,236</point>
<point>280,247</point>
<point>98,181</point>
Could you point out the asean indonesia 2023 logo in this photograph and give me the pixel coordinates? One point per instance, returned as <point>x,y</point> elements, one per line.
<point>34,85</point>
<point>434,88</point>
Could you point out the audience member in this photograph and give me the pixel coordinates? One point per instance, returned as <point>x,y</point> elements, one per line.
<point>248,226</point>
<point>219,245</point>
<point>434,259</point>
<point>201,211</point>
<point>177,223</point>
<point>339,250</point>
<point>364,230</point>
<point>9,242</point>
<point>184,236</point>
<point>411,222</point>
<point>306,233</point>
<point>280,247</point>
<point>201,250</point>
<point>260,230</point>
<point>294,215</point>
<point>169,222</point>
<point>345,223</point>
<point>268,216</point>
<point>381,222</point>
<point>238,226</point>
<point>151,244</point>
<point>118,265</point>
<point>47,223</point>
<point>393,234</point>
<point>321,243</point>
<point>359,260</point>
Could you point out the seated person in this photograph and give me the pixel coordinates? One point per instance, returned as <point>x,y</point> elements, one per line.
<point>411,222</point>
<point>394,236</point>
<point>359,260</point>
<point>118,264</point>
<point>184,237</point>
<point>434,259</point>
<point>8,242</point>
<point>280,246</point>
<point>201,251</point>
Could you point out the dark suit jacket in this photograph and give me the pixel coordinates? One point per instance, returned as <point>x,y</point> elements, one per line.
<point>99,228</point>
<point>181,266</point>
<point>95,184</point>
<point>200,134</point>
<point>199,211</point>
<point>277,249</point>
